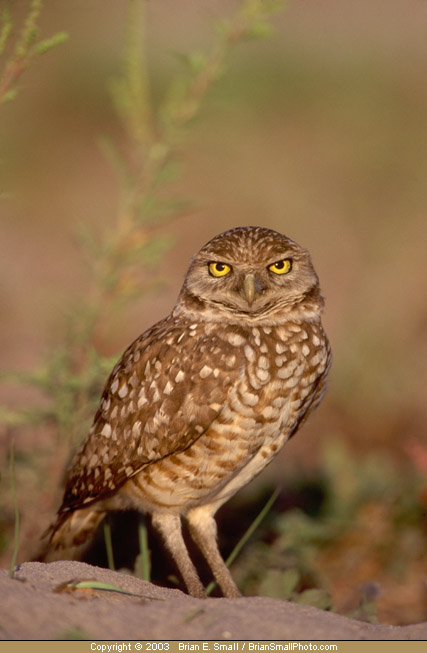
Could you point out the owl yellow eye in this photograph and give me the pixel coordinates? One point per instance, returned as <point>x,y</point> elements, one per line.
<point>280,267</point>
<point>219,269</point>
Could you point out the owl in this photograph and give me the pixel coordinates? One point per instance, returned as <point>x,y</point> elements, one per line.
<point>202,401</point>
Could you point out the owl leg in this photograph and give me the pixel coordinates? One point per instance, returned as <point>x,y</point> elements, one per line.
<point>169,526</point>
<point>203,531</point>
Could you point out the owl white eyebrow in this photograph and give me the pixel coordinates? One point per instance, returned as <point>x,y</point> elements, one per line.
<point>210,261</point>
<point>280,259</point>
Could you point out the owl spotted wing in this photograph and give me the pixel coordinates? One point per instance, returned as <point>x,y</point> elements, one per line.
<point>317,390</point>
<point>161,396</point>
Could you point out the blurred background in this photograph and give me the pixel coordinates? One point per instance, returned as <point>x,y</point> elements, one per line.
<point>319,132</point>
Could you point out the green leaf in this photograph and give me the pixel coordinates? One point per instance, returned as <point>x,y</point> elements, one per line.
<point>289,581</point>
<point>317,598</point>
<point>11,417</point>
<point>52,42</point>
<point>260,30</point>
<point>222,27</point>
<point>16,511</point>
<point>6,27</point>
<point>10,95</point>
<point>194,61</point>
<point>106,587</point>
<point>274,6</point>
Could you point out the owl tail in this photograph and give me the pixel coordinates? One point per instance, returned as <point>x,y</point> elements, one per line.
<point>69,536</point>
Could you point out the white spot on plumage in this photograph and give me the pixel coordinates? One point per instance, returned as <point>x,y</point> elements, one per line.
<point>179,377</point>
<point>268,412</point>
<point>115,385</point>
<point>142,400</point>
<point>263,362</point>
<point>250,399</point>
<point>285,372</point>
<point>168,388</point>
<point>235,339</point>
<point>136,429</point>
<point>312,377</point>
<point>321,367</point>
<point>249,353</point>
<point>134,381</point>
<point>292,382</point>
<point>256,334</point>
<point>278,402</point>
<point>263,375</point>
<point>106,431</point>
<point>280,349</point>
<point>123,391</point>
<point>205,371</point>
<point>282,333</point>
<point>316,358</point>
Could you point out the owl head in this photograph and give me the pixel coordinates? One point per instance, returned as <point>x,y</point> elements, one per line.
<point>250,272</point>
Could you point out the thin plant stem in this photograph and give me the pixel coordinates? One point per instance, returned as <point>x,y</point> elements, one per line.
<point>245,537</point>
<point>109,544</point>
<point>15,505</point>
<point>106,587</point>
<point>144,566</point>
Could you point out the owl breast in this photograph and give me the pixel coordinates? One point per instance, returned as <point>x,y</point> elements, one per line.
<point>278,377</point>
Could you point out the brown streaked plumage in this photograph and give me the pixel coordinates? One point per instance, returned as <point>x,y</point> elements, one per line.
<point>200,403</point>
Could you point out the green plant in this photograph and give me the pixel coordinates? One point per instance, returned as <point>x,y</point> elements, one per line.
<point>25,48</point>
<point>76,633</point>
<point>16,510</point>
<point>359,521</point>
<point>147,160</point>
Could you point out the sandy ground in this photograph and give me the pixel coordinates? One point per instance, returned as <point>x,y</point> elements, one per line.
<point>33,608</point>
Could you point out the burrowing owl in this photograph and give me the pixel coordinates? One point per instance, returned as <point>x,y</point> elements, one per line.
<point>200,403</point>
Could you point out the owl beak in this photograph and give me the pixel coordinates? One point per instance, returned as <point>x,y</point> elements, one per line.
<point>249,288</point>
